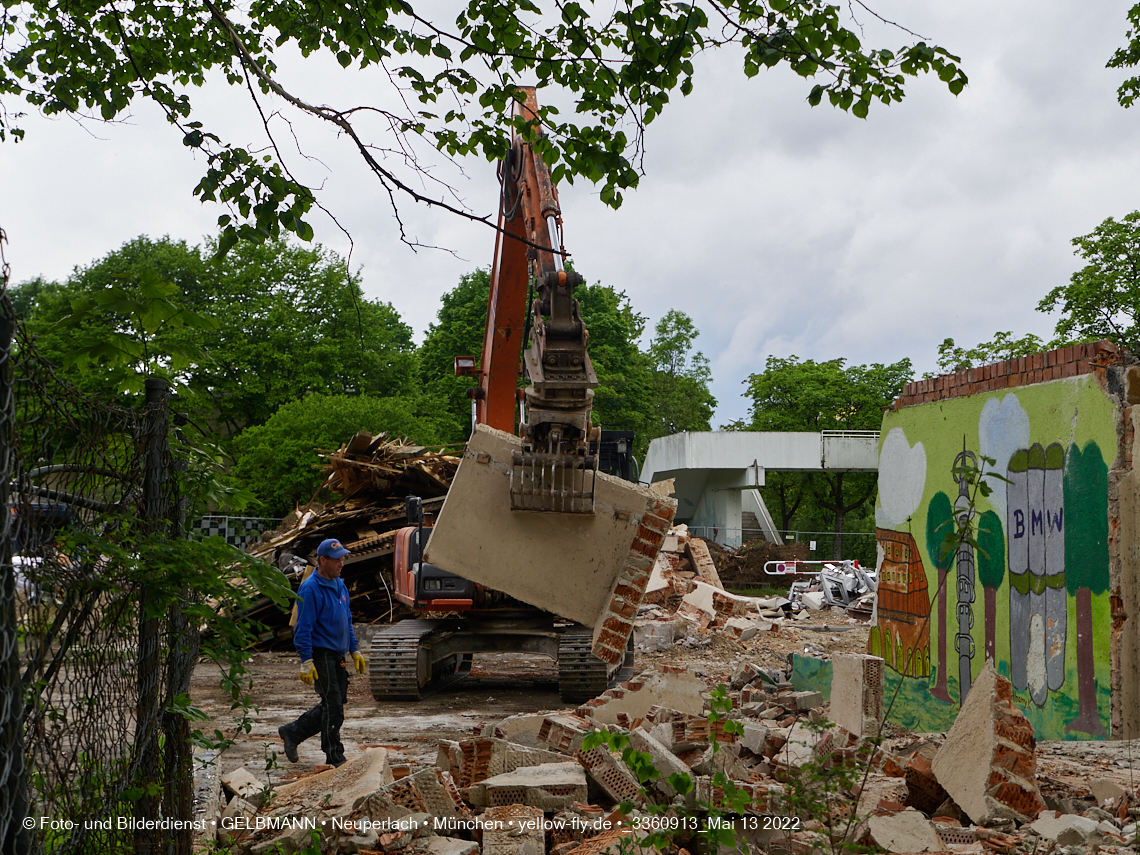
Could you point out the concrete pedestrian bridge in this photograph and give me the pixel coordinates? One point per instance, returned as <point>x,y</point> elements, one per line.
<point>717,473</point>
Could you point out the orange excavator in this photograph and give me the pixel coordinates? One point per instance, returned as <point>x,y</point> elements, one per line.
<point>533,329</point>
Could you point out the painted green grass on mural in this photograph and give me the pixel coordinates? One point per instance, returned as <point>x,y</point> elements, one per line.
<point>812,675</point>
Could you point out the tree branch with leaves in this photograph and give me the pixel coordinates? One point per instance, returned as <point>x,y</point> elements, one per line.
<point>446,87</point>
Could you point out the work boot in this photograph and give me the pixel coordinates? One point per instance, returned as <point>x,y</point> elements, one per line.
<point>290,745</point>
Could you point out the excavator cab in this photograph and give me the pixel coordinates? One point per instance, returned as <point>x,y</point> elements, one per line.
<point>420,585</point>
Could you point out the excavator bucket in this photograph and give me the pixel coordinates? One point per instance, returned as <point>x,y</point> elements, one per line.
<point>588,568</point>
<point>553,483</point>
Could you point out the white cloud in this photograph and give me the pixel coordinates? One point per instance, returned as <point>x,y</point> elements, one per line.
<point>779,228</point>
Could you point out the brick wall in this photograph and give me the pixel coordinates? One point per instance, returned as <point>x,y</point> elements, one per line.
<point>1071,361</point>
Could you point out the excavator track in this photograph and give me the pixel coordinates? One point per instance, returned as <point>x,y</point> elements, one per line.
<point>581,674</point>
<point>400,667</point>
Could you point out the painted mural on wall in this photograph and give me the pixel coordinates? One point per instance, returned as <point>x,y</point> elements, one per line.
<point>1033,598</point>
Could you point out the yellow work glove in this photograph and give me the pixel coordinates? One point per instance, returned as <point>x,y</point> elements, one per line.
<point>308,672</point>
<point>359,661</point>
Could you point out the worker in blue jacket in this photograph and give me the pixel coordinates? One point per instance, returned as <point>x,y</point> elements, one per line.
<point>324,639</point>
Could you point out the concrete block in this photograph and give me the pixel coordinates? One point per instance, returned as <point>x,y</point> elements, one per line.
<point>713,602</point>
<point>521,729</point>
<point>702,561</point>
<point>744,674</point>
<point>551,786</point>
<point>589,568</point>
<point>812,599</point>
<point>650,636</point>
<point>241,782</point>
<point>1104,790</point>
<point>661,687</point>
<point>800,747</point>
<point>745,628</point>
<point>659,587</point>
<point>609,773</point>
<point>341,787</point>
<point>726,759</point>
<point>806,700</point>
<point>237,809</point>
<point>908,831</point>
<point>513,830</point>
<point>755,735</point>
<point>1066,829</point>
<point>857,691</point>
<point>483,758</point>
<point>988,762</point>
<point>664,760</point>
<point>880,789</point>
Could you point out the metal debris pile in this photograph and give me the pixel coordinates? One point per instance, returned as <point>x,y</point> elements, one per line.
<point>374,475</point>
<point>840,584</point>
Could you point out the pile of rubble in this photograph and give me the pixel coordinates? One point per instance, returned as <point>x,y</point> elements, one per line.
<point>374,475</point>
<point>685,601</point>
<point>527,785</point>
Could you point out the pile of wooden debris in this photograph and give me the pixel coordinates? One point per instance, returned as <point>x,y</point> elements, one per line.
<point>374,475</point>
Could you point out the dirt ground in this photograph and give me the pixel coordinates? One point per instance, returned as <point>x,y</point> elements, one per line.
<point>499,685</point>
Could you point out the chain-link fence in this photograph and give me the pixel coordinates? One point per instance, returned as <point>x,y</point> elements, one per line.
<point>853,545</point>
<point>92,760</point>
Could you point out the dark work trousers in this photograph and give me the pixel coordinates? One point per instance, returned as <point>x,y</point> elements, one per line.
<point>327,716</point>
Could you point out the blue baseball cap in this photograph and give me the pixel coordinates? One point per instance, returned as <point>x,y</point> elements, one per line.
<point>331,548</point>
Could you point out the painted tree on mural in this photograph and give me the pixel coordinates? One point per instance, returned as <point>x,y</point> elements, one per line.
<point>940,520</point>
<point>991,573</point>
<point>1086,567</point>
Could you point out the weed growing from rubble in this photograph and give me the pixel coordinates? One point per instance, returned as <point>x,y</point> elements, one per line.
<point>823,793</point>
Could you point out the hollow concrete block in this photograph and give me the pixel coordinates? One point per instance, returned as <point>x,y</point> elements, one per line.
<point>857,693</point>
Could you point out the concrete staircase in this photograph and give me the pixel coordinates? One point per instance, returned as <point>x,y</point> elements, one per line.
<point>750,526</point>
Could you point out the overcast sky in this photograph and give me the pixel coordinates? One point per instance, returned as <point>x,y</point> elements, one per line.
<point>779,228</point>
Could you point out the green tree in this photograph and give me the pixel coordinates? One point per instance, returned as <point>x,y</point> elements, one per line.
<point>621,399</point>
<point>294,322</point>
<point>457,77</point>
<point>290,321</point>
<point>1001,347</point>
<point>790,395</point>
<point>461,321</point>
<point>679,384</point>
<point>279,462</point>
<point>1102,299</point>
<point>78,322</point>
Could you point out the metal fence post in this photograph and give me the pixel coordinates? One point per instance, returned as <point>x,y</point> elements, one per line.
<point>182,653</point>
<point>155,514</point>
<point>14,837</point>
